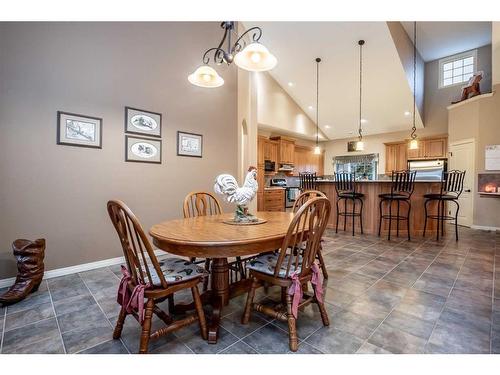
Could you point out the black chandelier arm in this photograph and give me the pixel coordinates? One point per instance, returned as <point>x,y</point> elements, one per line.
<point>218,55</point>
<point>257,34</point>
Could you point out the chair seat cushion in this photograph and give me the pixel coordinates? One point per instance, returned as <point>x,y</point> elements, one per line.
<point>439,196</point>
<point>392,196</point>
<point>266,263</point>
<point>176,270</point>
<point>350,194</point>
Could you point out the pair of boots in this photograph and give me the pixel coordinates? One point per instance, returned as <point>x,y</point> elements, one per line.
<point>29,255</point>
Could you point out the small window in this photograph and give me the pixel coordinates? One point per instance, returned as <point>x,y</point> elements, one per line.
<point>457,69</point>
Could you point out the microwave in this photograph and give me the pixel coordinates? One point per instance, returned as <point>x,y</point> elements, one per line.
<point>269,166</point>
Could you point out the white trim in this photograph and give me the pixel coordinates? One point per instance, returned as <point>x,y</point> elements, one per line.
<point>484,227</point>
<point>458,56</point>
<point>463,141</point>
<point>470,100</point>
<point>75,269</point>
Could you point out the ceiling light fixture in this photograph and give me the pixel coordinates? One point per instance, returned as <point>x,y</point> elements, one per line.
<point>414,140</point>
<point>360,145</point>
<point>291,84</point>
<point>253,57</point>
<point>317,149</point>
<point>311,107</point>
<point>327,126</point>
<point>407,113</point>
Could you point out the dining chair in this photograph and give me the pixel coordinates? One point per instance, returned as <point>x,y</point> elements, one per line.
<point>145,278</point>
<point>291,269</point>
<point>299,202</point>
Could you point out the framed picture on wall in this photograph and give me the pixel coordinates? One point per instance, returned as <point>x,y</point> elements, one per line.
<point>142,150</point>
<point>79,130</point>
<point>139,121</point>
<point>189,144</point>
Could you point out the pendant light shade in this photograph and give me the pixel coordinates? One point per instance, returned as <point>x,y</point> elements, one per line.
<point>255,58</point>
<point>414,144</point>
<point>206,76</point>
<point>360,146</point>
<point>317,150</point>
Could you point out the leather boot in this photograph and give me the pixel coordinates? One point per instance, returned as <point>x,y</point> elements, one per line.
<point>30,268</point>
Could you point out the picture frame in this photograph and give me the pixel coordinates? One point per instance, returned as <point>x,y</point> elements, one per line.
<point>78,130</point>
<point>351,146</point>
<point>143,150</point>
<point>142,122</point>
<point>189,144</point>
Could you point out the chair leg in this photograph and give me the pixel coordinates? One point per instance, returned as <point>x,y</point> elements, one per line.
<point>438,220</point>
<point>361,216</point>
<point>119,324</point>
<point>337,224</point>
<point>292,329</point>
<point>408,220</point>
<point>283,295</point>
<point>322,310</point>
<point>397,223</point>
<point>207,268</point>
<point>456,221</point>
<point>199,311</point>
<point>380,216</point>
<point>345,211</point>
<point>146,327</point>
<point>353,217</point>
<point>443,212</point>
<point>390,219</point>
<point>248,306</point>
<point>425,222</point>
<point>322,264</point>
<point>171,304</point>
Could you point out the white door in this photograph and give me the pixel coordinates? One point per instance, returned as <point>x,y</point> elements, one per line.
<point>462,158</point>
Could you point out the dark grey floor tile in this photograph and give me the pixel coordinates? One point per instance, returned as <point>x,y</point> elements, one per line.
<point>268,340</point>
<point>355,324</point>
<point>434,284</point>
<point>28,316</point>
<point>233,324</point>
<point>32,300</point>
<point>462,320</point>
<point>470,302</point>
<point>81,318</point>
<point>377,268</point>
<point>86,336</point>
<point>98,285</point>
<point>483,286</point>
<point>365,306</point>
<point>200,346</point>
<point>385,293</point>
<point>332,341</point>
<point>73,304</point>
<point>103,273</point>
<point>368,348</point>
<point>354,284</point>
<point>64,289</point>
<point>338,298</point>
<point>422,305</point>
<point>174,345</point>
<point>396,341</point>
<point>495,344</point>
<point>449,339</point>
<point>16,339</point>
<point>108,347</point>
<point>305,348</point>
<point>410,324</point>
<point>52,345</point>
<point>239,348</point>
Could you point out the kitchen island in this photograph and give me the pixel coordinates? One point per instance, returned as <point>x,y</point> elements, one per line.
<point>371,189</point>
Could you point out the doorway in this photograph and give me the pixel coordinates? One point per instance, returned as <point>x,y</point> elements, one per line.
<point>462,157</point>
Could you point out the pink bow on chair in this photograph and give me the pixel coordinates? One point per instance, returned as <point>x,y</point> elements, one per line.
<point>295,289</point>
<point>131,301</point>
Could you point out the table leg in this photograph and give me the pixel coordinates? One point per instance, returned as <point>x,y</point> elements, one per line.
<point>220,295</point>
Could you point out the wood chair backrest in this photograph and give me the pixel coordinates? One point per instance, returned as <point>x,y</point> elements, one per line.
<point>307,181</point>
<point>453,183</point>
<point>305,231</point>
<point>345,182</point>
<point>199,203</point>
<point>304,197</point>
<point>137,249</point>
<point>403,182</point>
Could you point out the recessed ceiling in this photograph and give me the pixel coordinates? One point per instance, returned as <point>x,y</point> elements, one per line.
<point>436,40</point>
<point>386,92</point>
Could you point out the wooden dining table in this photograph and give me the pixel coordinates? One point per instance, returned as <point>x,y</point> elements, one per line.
<point>210,237</point>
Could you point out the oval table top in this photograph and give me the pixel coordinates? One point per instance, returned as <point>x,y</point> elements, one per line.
<point>209,237</point>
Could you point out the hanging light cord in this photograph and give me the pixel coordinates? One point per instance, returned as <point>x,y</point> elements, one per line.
<point>360,130</point>
<point>414,128</point>
<point>318,60</point>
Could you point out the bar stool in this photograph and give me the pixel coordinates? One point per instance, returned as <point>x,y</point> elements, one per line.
<point>345,186</point>
<point>452,185</point>
<point>308,181</point>
<point>402,185</point>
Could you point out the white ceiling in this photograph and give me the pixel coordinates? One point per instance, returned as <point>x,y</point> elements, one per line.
<point>440,39</point>
<point>386,96</point>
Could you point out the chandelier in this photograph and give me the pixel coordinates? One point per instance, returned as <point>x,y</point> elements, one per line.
<point>253,56</point>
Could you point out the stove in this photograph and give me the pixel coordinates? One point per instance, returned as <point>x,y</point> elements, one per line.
<point>291,193</point>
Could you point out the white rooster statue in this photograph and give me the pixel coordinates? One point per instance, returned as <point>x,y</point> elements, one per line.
<point>227,186</point>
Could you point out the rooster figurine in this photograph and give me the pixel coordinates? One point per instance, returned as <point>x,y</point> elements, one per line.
<point>227,186</point>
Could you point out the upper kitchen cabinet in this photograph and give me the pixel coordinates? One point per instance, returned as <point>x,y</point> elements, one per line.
<point>271,150</point>
<point>286,149</point>
<point>307,161</point>
<point>396,156</point>
<point>435,148</point>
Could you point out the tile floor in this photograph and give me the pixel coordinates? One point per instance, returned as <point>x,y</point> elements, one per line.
<point>382,297</point>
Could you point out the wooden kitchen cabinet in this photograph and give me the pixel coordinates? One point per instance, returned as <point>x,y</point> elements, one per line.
<point>435,148</point>
<point>286,149</point>
<point>396,157</point>
<point>274,200</point>
<point>307,161</point>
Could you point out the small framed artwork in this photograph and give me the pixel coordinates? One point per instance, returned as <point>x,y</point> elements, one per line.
<point>138,121</point>
<point>351,146</point>
<point>189,144</point>
<point>79,130</point>
<point>142,150</point>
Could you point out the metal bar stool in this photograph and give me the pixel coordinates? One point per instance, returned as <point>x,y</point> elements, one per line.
<point>452,185</point>
<point>402,185</point>
<point>307,181</point>
<point>345,186</point>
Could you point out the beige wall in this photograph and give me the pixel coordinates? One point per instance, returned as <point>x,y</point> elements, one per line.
<point>479,119</point>
<point>60,192</point>
<point>278,112</point>
<point>495,42</point>
<point>437,99</point>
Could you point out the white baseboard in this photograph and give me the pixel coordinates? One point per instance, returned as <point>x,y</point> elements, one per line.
<point>483,227</point>
<point>75,269</point>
